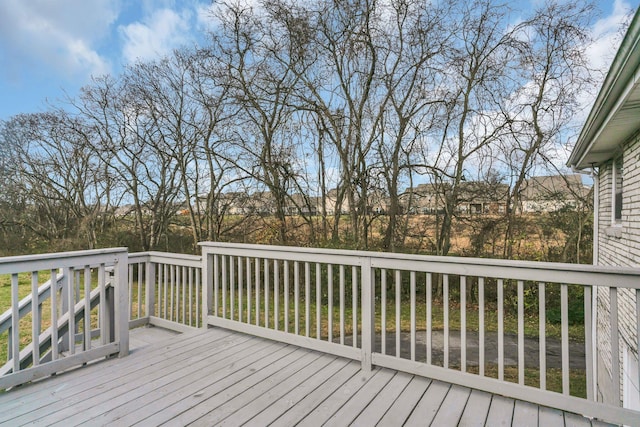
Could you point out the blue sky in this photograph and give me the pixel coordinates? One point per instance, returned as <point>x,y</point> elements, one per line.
<point>52,47</point>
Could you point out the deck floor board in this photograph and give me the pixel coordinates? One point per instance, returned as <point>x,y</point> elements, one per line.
<point>189,410</point>
<point>500,411</point>
<point>32,400</point>
<point>252,400</point>
<point>361,399</point>
<point>428,406</point>
<point>452,406</point>
<point>81,407</point>
<point>406,401</point>
<point>295,395</point>
<point>378,407</point>
<point>218,377</point>
<point>29,397</point>
<point>525,414</point>
<point>148,404</point>
<point>350,373</point>
<point>477,406</point>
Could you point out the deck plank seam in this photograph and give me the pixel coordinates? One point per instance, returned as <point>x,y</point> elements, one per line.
<point>94,381</point>
<point>154,395</point>
<point>191,370</point>
<point>416,405</point>
<point>327,383</point>
<point>358,385</point>
<point>238,376</point>
<point>435,414</point>
<point>206,382</point>
<point>265,385</point>
<point>398,402</point>
<point>303,373</point>
<point>363,390</point>
<point>398,393</point>
<point>396,399</point>
<point>86,373</point>
<point>295,392</point>
<point>114,387</point>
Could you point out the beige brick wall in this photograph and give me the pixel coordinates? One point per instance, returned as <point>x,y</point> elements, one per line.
<point>619,245</point>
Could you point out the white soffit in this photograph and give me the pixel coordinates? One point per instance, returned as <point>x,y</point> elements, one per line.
<point>622,123</point>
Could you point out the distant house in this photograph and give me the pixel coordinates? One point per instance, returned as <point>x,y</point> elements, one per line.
<point>232,203</point>
<point>609,145</point>
<point>482,198</point>
<point>378,202</point>
<point>300,204</point>
<point>423,199</point>
<point>124,210</point>
<point>552,193</point>
<point>332,201</point>
<point>474,198</point>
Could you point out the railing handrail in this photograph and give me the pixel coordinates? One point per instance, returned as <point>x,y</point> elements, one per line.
<point>583,274</point>
<point>183,260</point>
<point>22,263</point>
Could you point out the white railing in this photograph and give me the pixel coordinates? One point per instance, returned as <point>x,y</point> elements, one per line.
<point>306,298</point>
<point>453,319</point>
<point>381,309</point>
<point>165,290</point>
<point>73,312</point>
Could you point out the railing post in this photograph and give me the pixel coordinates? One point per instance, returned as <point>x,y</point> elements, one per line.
<point>207,286</point>
<point>589,342</point>
<point>121,309</point>
<point>64,305</point>
<point>150,283</point>
<point>109,327</point>
<point>368,313</point>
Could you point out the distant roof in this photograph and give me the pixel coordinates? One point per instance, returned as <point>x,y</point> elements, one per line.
<point>543,187</point>
<point>615,116</point>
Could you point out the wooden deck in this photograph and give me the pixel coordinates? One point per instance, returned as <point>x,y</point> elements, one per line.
<point>218,377</point>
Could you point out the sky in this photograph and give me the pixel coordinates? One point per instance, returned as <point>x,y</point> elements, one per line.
<point>51,48</point>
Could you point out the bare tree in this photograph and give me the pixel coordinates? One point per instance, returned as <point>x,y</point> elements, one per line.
<point>125,138</point>
<point>209,88</point>
<point>59,175</point>
<point>261,83</point>
<point>478,78</point>
<point>554,72</point>
<point>411,52</point>
<point>183,98</point>
<point>338,67</point>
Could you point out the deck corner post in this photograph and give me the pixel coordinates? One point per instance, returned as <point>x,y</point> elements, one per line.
<point>121,312</point>
<point>207,286</point>
<point>150,284</point>
<point>368,312</point>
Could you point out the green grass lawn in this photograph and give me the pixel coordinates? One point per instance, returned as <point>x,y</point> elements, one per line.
<point>531,322</point>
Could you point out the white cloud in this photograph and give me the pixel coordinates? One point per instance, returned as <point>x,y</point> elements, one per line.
<point>58,37</point>
<point>156,35</point>
<point>606,34</point>
<point>607,37</point>
<point>205,17</point>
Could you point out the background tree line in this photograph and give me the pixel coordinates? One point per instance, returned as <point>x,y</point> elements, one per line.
<point>335,99</point>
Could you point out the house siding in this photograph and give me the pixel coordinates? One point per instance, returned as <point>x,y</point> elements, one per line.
<point>619,245</point>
